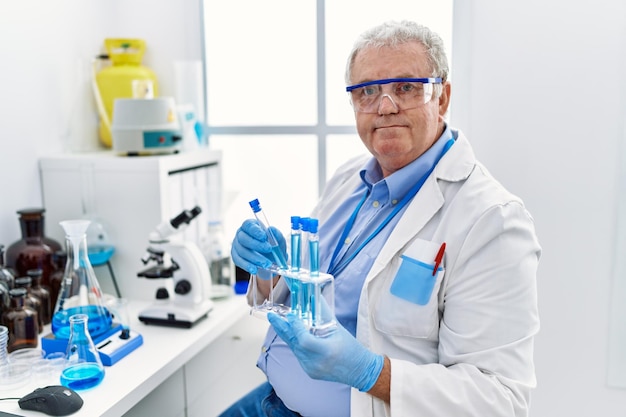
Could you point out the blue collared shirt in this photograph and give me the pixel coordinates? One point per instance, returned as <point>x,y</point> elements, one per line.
<point>293,386</point>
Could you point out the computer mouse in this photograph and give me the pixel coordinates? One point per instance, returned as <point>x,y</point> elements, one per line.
<point>54,400</point>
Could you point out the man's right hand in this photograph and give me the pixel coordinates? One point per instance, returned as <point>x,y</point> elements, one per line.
<point>251,250</point>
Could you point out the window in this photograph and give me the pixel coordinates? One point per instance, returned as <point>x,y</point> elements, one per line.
<point>276,100</point>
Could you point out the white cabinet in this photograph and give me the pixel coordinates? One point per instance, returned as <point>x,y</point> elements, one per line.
<point>130,196</point>
<point>166,400</point>
<point>226,370</point>
<point>213,379</point>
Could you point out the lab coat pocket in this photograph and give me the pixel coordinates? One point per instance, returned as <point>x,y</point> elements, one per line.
<point>414,281</point>
<point>408,305</point>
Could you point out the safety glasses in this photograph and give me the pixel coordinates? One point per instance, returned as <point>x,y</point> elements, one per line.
<point>404,93</point>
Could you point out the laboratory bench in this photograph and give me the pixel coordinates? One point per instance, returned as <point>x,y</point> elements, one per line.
<point>176,372</point>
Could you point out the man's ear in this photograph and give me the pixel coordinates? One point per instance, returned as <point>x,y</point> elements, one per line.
<point>444,99</point>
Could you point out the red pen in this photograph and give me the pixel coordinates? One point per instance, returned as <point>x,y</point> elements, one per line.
<point>439,257</point>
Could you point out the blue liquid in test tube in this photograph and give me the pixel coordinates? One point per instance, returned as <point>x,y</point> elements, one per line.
<point>314,242</point>
<point>305,292</point>
<point>277,254</point>
<point>314,262</point>
<point>296,238</point>
<point>295,284</point>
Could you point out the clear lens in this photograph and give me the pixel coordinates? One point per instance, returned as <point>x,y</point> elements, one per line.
<point>404,94</point>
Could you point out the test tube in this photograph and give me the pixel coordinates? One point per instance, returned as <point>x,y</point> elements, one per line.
<point>314,241</point>
<point>277,254</point>
<point>314,271</point>
<point>296,237</point>
<point>305,291</point>
<point>304,244</point>
<point>295,285</point>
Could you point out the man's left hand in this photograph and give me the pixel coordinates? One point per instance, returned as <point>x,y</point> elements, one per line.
<point>336,357</point>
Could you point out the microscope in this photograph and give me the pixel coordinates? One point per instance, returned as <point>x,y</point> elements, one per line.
<point>184,298</point>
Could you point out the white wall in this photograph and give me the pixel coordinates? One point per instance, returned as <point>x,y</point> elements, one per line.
<point>538,90</point>
<point>46,105</point>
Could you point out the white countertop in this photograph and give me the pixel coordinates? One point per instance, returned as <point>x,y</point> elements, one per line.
<point>164,351</point>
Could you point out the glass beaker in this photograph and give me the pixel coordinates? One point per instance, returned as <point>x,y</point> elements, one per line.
<point>79,292</point>
<point>83,369</point>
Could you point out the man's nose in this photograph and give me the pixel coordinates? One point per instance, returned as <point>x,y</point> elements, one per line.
<point>387,106</point>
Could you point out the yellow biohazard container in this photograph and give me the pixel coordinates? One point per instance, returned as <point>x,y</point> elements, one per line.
<point>124,78</point>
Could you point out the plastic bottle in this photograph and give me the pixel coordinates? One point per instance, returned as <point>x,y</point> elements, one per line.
<point>124,79</point>
<point>84,368</point>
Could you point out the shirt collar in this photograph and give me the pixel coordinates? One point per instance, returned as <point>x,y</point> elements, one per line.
<point>401,181</point>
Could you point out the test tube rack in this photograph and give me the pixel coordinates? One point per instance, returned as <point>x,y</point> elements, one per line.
<point>312,298</point>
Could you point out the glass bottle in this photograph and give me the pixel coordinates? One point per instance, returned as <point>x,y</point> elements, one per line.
<point>5,300</point>
<point>217,255</point>
<point>7,276</point>
<point>22,322</point>
<point>42,293</point>
<point>83,369</point>
<point>33,250</point>
<point>80,292</point>
<point>31,300</point>
<point>59,259</point>
<point>4,340</point>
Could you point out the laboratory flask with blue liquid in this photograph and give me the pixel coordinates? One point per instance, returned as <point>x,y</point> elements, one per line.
<point>83,369</point>
<point>79,292</point>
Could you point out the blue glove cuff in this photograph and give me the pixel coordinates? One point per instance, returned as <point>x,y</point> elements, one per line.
<point>371,374</point>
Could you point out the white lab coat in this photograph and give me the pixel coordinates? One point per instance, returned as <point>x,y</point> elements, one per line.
<point>469,351</point>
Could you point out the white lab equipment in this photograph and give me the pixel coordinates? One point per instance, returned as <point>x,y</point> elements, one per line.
<point>132,195</point>
<point>183,300</point>
<point>145,125</point>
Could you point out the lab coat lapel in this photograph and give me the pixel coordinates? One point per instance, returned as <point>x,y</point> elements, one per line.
<point>456,165</point>
<point>419,211</point>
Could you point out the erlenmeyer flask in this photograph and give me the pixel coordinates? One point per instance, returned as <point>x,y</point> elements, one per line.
<point>83,367</point>
<point>98,242</point>
<point>80,292</point>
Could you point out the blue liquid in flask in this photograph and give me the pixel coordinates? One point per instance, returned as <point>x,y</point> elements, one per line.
<point>99,320</point>
<point>82,376</point>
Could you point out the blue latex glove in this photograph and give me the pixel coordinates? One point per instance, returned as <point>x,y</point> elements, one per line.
<point>251,250</point>
<point>338,357</point>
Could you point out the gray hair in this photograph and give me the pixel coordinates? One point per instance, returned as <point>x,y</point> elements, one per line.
<point>395,33</point>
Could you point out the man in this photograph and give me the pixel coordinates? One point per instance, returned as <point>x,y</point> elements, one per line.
<point>434,262</point>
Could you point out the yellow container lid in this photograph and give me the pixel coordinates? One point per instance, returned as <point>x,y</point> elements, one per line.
<point>125,51</point>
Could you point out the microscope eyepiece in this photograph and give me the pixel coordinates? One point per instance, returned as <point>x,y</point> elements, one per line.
<point>185,217</point>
